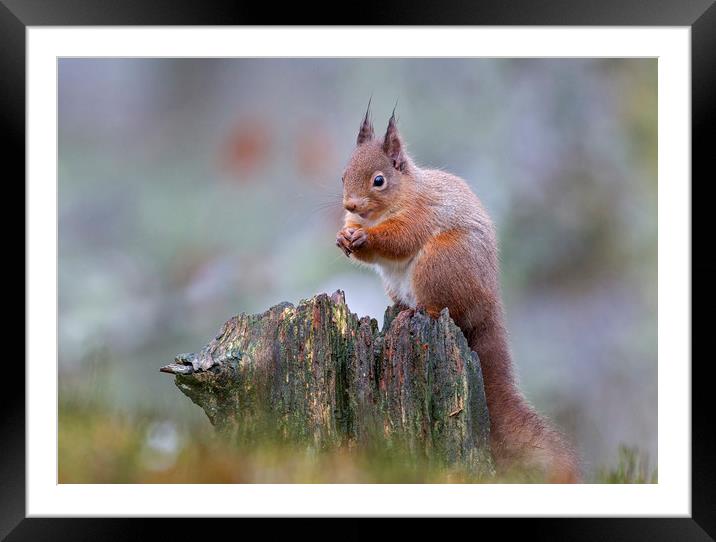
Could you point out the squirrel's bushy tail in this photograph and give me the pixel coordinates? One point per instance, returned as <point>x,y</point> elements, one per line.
<point>520,438</point>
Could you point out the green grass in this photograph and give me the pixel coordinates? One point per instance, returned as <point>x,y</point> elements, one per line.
<point>97,445</point>
<point>633,468</point>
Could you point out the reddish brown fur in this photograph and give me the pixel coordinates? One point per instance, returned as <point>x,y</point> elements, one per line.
<point>429,237</point>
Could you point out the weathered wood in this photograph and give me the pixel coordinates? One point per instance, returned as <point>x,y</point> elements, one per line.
<point>318,373</point>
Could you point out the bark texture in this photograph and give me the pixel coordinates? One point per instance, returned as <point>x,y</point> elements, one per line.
<point>317,372</point>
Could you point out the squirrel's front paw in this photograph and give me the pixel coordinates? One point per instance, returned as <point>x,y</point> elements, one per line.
<point>343,240</point>
<point>358,238</point>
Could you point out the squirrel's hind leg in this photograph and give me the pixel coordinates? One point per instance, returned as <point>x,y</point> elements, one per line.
<point>446,274</point>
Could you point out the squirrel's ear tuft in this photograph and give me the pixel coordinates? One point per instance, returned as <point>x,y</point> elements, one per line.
<point>393,145</point>
<point>366,128</point>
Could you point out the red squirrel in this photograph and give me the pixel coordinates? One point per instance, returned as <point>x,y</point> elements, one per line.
<point>430,239</point>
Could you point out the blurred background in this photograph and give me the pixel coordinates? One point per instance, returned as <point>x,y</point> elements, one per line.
<point>194,189</point>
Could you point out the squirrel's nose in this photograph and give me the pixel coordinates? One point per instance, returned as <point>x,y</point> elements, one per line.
<point>350,205</point>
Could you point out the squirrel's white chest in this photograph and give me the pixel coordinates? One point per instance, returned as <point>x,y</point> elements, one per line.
<point>398,280</point>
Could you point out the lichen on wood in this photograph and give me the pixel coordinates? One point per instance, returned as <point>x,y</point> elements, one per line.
<point>319,374</point>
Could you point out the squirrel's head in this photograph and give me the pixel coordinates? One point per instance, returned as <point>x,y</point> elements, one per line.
<point>376,171</point>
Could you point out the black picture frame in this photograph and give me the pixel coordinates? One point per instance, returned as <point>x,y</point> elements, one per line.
<point>700,15</point>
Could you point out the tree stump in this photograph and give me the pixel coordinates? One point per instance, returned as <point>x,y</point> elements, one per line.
<point>319,374</point>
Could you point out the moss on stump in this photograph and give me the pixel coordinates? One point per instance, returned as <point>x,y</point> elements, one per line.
<point>317,373</point>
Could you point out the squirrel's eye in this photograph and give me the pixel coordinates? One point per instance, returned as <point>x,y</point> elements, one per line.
<point>343,180</point>
<point>378,180</point>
